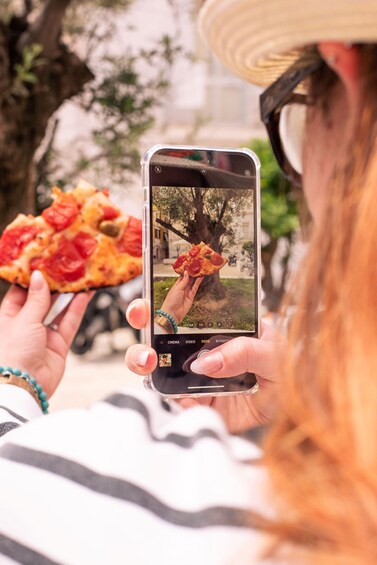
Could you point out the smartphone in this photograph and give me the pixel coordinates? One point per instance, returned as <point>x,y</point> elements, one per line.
<point>200,215</point>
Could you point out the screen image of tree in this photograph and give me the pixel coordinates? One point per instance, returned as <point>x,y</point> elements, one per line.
<point>223,220</point>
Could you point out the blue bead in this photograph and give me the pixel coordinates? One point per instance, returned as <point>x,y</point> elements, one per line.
<point>38,387</point>
<point>45,405</point>
<point>32,380</point>
<point>9,369</point>
<point>2,369</point>
<point>27,376</point>
<point>42,396</point>
<point>17,372</point>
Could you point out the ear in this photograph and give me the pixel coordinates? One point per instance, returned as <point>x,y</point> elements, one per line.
<point>344,60</point>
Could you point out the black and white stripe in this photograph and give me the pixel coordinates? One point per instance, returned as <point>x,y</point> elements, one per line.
<point>6,427</point>
<point>129,492</point>
<point>9,420</point>
<point>118,482</point>
<point>22,554</point>
<point>185,441</point>
<point>13,414</point>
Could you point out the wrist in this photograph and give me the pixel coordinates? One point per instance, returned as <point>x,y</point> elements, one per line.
<point>16,377</point>
<point>173,312</point>
<point>165,324</point>
<point>166,321</point>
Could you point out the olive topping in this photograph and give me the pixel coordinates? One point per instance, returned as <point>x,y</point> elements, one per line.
<point>109,228</point>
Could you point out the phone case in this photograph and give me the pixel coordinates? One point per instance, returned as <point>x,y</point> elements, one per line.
<point>147,275</point>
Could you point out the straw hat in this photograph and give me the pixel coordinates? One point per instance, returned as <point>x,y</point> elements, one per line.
<point>259,39</point>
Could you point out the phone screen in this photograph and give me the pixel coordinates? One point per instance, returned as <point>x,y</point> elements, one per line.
<point>203,219</point>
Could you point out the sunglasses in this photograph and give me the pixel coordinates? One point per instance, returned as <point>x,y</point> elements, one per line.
<point>283,112</point>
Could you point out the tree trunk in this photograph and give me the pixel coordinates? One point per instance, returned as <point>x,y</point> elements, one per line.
<point>275,293</point>
<point>268,252</point>
<point>211,288</point>
<point>24,118</point>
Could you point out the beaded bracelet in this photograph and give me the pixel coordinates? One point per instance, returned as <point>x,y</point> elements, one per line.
<point>33,387</point>
<point>170,318</point>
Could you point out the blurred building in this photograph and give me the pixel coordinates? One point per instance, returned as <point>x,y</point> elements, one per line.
<point>205,105</point>
<point>160,239</point>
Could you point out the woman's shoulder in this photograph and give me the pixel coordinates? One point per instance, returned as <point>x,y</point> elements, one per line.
<point>130,416</point>
<point>135,460</point>
<point>134,428</point>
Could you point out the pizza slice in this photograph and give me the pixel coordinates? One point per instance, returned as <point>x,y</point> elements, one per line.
<point>200,261</point>
<point>82,241</point>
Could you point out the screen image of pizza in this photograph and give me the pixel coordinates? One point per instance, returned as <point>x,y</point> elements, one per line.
<point>82,241</point>
<point>200,261</point>
<point>208,234</point>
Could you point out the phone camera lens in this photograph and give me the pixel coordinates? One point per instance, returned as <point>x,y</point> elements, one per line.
<point>157,169</point>
<point>247,172</point>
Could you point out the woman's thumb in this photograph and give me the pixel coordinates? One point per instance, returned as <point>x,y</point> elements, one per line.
<point>38,299</point>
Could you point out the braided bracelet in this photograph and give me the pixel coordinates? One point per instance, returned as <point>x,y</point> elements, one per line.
<point>170,318</point>
<point>8,375</point>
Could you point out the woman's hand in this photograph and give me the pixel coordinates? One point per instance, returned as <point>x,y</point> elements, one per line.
<point>260,356</point>
<point>26,343</point>
<point>180,297</point>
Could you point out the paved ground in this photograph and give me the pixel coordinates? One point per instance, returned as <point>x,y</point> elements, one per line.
<point>96,374</point>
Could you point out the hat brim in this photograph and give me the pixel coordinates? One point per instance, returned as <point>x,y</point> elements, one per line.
<point>259,39</point>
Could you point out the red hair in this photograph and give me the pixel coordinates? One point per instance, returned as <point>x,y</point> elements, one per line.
<point>321,452</point>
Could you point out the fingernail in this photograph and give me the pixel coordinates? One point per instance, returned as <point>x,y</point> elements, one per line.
<point>208,363</point>
<point>140,358</point>
<point>36,280</point>
<point>130,309</point>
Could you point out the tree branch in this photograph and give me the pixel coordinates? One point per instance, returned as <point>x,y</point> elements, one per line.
<point>170,227</point>
<point>42,164</point>
<point>4,61</point>
<point>187,200</point>
<point>223,209</point>
<point>219,225</point>
<point>47,27</point>
<point>28,7</point>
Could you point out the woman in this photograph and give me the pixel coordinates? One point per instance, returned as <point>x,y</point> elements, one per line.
<point>321,450</point>
<point>175,487</point>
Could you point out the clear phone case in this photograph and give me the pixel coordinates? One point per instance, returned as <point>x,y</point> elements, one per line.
<point>147,274</point>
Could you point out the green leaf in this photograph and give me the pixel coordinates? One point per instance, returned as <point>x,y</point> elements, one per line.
<point>279,216</point>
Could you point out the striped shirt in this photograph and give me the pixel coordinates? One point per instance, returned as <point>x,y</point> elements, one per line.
<point>131,480</point>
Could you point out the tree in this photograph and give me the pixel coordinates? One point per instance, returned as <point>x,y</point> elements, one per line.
<point>40,68</point>
<point>38,72</point>
<point>279,221</point>
<point>201,214</point>
<point>248,248</point>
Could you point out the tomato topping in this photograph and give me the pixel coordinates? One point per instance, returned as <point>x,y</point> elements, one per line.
<point>84,243</point>
<point>14,240</point>
<point>109,213</point>
<point>181,259</point>
<point>217,259</point>
<point>195,266</point>
<point>62,212</point>
<point>66,264</point>
<point>35,263</point>
<point>194,251</point>
<point>131,240</point>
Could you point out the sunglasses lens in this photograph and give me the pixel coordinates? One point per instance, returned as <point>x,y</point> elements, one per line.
<point>291,130</point>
